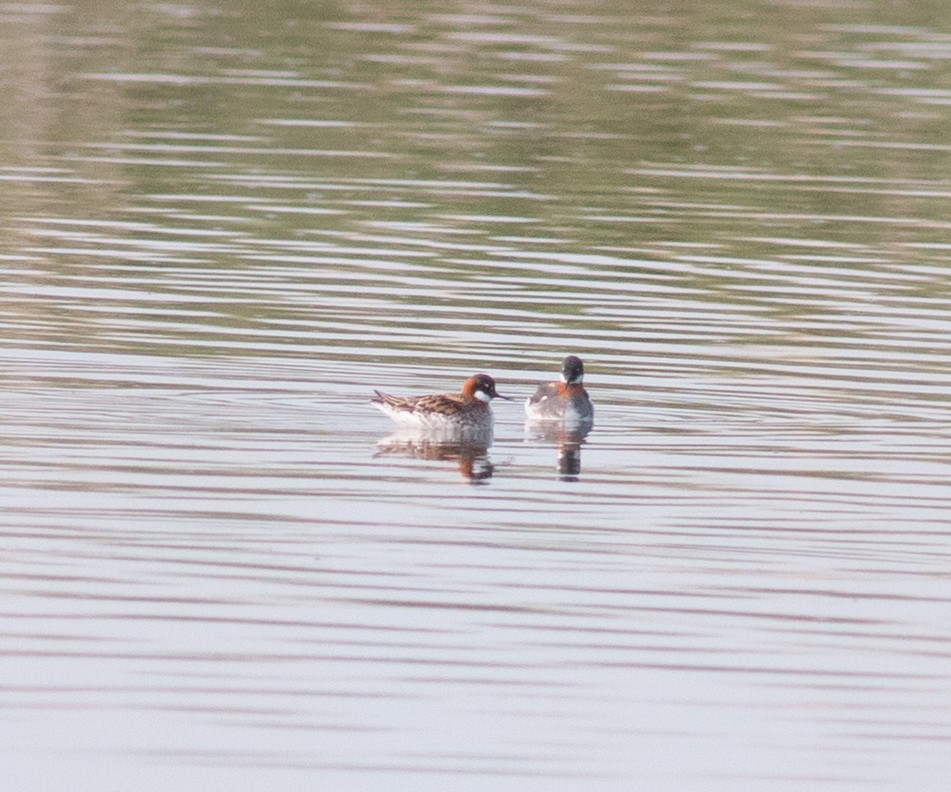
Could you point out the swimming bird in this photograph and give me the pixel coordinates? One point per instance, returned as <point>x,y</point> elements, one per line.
<point>449,413</point>
<point>565,400</point>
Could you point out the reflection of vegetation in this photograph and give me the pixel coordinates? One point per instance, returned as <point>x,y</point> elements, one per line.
<point>390,150</point>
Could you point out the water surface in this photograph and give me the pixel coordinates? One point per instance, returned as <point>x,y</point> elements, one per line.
<point>224,225</point>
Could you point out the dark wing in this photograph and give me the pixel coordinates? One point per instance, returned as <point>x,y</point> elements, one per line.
<point>547,391</point>
<point>395,402</point>
<point>443,404</point>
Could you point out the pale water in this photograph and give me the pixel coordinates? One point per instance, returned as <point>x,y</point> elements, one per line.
<point>223,225</point>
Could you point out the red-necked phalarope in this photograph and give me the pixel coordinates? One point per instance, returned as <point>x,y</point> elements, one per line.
<point>467,411</point>
<point>566,400</point>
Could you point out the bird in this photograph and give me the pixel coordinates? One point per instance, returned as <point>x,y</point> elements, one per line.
<point>565,400</point>
<point>467,412</point>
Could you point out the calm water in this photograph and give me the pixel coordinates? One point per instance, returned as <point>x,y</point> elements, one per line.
<point>223,225</point>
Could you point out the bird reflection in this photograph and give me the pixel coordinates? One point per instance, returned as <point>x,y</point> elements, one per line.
<point>470,451</point>
<point>568,439</point>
